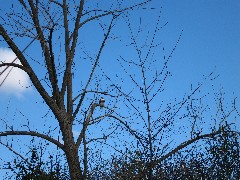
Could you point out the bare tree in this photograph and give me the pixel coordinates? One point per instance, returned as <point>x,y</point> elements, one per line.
<point>153,121</point>
<point>56,28</point>
<point>59,31</point>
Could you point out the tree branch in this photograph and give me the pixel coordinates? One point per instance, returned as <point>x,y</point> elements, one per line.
<point>93,69</point>
<point>133,132</point>
<point>70,52</point>
<point>14,65</point>
<point>33,133</point>
<point>25,7</point>
<point>55,2</point>
<point>108,13</point>
<point>185,144</point>
<point>179,108</point>
<point>44,46</point>
<point>67,49</point>
<point>54,74</point>
<point>37,84</point>
<point>85,124</point>
<point>15,152</point>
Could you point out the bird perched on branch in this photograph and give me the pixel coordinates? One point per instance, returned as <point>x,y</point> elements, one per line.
<point>101,102</point>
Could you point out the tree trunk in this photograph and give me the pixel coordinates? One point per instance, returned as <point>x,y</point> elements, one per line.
<point>73,163</point>
<point>71,152</point>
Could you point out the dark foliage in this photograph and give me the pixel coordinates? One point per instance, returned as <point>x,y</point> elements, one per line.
<point>217,158</point>
<point>36,168</point>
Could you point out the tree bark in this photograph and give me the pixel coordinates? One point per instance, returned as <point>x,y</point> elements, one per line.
<point>70,147</point>
<point>71,151</point>
<point>73,162</point>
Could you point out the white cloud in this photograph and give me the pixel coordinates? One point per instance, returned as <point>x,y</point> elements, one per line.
<point>17,81</point>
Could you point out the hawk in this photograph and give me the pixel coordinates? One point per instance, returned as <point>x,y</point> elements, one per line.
<point>101,102</point>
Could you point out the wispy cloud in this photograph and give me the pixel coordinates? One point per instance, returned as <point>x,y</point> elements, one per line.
<point>17,80</point>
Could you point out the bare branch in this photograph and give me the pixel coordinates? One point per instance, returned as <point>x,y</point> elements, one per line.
<point>45,49</point>
<point>86,123</point>
<point>59,4</point>
<point>30,72</point>
<point>14,65</point>
<point>33,133</point>
<point>96,92</point>
<point>25,6</point>
<point>67,48</point>
<point>70,52</point>
<point>21,52</point>
<point>133,132</point>
<point>15,152</point>
<point>185,144</point>
<point>93,69</point>
<point>54,74</point>
<point>109,13</point>
<point>179,108</point>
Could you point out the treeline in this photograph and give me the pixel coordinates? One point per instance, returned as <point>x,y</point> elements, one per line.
<point>217,158</point>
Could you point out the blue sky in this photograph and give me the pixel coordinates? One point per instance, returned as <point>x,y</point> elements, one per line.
<point>210,42</point>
